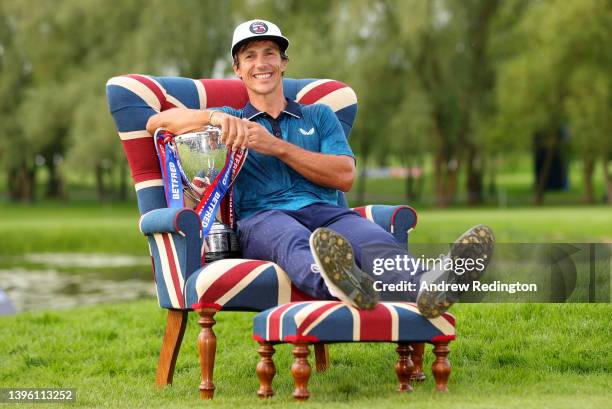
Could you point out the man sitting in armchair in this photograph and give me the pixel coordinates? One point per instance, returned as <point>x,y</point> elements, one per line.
<point>286,193</point>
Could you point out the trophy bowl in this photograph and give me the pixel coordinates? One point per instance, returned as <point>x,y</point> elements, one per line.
<point>202,156</point>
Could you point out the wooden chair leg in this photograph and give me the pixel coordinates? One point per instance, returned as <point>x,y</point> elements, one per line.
<point>265,370</point>
<point>300,371</point>
<point>441,368</point>
<point>321,357</point>
<point>207,345</point>
<point>418,350</point>
<point>171,345</point>
<point>404,367</point>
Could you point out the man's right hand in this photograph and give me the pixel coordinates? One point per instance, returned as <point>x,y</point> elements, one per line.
<point>234,130</point>
<point>178,121</point>
<point>182,120</point>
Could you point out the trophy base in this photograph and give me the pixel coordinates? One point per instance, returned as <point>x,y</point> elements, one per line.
<point>210,257</point>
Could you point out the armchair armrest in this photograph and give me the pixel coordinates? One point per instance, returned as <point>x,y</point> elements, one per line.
<point>175,244</point>
<point>169,220</point>
<point>397,220</point>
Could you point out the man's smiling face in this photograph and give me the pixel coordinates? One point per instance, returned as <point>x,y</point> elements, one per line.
<point>260,66</point>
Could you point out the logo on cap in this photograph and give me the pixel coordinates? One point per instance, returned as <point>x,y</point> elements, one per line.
<point>258,27</point>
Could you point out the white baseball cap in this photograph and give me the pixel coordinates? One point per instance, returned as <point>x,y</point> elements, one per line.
<point>260,29</point>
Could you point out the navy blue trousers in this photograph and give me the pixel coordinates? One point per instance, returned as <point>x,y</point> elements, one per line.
<point>282,236</point>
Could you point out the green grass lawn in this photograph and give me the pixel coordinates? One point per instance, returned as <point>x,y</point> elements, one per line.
<point>523,356</point>
<point>60,227</point>
<point>522,225</point>
<point>527,356</point>
<point>114,229</point>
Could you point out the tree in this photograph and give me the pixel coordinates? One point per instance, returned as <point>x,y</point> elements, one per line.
<point>56,58</point>
<point>558,77</point>
<point>445,82</point>
<point>16,76</point>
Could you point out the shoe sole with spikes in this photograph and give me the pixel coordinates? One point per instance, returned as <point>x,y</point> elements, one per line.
<point>334,255</point>
<point>476,243</point>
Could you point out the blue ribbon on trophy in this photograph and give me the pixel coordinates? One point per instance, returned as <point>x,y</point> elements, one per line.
<point>201,153</point>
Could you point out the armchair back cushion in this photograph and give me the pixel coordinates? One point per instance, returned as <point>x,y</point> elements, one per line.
<point>134,98</point>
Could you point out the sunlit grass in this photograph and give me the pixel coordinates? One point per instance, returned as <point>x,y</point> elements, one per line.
<point>106,229</point>
<point>528,356</point>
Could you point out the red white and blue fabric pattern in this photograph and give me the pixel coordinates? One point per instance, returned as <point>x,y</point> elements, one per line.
<point>334,321</point>
<point>134,98</point>
<point>241,284</point>
<point>174,237</point>
<point>397,220</point>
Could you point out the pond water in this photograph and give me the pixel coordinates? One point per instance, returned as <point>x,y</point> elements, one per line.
<point>66,280</point>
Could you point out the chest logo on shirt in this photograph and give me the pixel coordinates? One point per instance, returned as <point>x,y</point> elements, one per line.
<point>308,132</point>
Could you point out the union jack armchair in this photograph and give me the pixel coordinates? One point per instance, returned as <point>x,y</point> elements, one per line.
<point>174,236</point>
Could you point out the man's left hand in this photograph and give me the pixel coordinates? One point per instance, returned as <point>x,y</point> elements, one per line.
<point>262,141</point>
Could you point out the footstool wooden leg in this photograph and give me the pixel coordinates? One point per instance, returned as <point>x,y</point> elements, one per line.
<point>265,370</point>
<point>418,350</point>
<point>300,371</point>
<point>441,367</point>
<point>321,357</point>
<point>404,367</point>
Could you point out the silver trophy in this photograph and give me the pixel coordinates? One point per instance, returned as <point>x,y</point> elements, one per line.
<point>202,156</point>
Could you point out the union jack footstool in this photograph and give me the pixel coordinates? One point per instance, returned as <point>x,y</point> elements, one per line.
<point>324,322</point>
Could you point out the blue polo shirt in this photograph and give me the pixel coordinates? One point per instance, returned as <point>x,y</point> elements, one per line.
<point>266,182</point>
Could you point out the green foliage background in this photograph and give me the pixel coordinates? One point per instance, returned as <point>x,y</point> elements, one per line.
<point>453,87</point>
